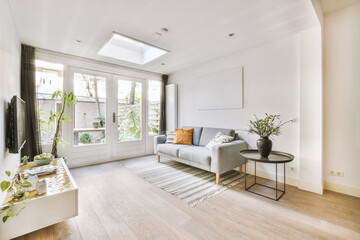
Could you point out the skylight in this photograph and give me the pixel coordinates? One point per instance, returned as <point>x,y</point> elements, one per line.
<point>130,50</point>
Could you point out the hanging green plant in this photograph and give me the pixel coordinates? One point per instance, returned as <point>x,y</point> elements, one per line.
<point>17,186</point>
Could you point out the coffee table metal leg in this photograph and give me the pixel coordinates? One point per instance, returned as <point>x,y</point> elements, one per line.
<point>276,185</point>
<point>245,175</point>
<point>255,172</point>
<point>284,178</point>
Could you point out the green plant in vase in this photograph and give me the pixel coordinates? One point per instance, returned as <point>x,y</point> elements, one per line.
<point>265,128</point>
<point>17,186</point>
<point>101,120</point>
<point>66,99</point>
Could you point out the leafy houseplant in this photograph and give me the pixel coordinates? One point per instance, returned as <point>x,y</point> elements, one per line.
<point>101,120</point>
<point>66,99</point>
<point>17,186</point>
<point>265,128</point>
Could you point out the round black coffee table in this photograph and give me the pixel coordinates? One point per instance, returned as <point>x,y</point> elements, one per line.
<point>274,158</point>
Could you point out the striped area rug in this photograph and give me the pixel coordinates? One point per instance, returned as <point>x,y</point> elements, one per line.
<point>190,184</point>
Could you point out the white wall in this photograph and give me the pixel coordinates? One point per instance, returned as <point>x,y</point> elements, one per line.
<point>271,85</point>
<point>10,50</point>
<point>342,99</point>
<point>310,75</point>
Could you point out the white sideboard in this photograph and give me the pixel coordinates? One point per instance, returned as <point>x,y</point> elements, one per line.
<point>58,204</point>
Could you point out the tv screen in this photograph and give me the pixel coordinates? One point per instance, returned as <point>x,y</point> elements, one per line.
<point>16,125</point>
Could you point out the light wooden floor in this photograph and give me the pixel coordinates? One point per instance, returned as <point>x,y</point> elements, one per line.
<point>117,204</point>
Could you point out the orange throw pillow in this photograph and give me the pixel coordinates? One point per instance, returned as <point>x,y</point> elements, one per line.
<point>183,136</point>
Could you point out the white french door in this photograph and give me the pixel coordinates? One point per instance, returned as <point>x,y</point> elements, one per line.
<point>128,116</point>
<point>109,120</point>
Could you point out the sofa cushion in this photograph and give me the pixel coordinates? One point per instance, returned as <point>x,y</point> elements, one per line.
<point>170,136</point>
<point>171,149</point>
<point>196,154</point>
<point>219,139</point>
<point>209,133</point>
<point>196,134</point>
<point>183,136</point>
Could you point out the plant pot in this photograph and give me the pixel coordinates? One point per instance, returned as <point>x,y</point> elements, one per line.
<point>102,124</point>
<point>264,146</point>
<point>95,124</point>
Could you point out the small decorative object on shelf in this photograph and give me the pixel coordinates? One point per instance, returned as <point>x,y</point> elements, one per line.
<point>40,171</point>
<point>43,159</point>
<point>25,160</point>
<point>265,128</point>
<point>33,179</point>
<point>95,124</point>
<point>41,187</point>
<point>18,188</point>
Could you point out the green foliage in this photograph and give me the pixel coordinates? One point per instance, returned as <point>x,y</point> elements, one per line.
<point>25,160</point>
<point>17,186</point>
<point>85,138</point>
<point>266,127</point>
<point>130,127</point>
<point>66,99</point>
<point>101,119</point>
<point>46,129</point>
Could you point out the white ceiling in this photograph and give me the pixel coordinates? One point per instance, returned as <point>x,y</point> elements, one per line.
<point>198,29</point>
<point>333,5</point>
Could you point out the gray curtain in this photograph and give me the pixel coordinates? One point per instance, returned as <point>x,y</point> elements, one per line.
<point>32,146</point>
<point>164,79</point>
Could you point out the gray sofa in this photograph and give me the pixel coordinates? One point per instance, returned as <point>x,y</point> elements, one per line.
<point>220,159</point>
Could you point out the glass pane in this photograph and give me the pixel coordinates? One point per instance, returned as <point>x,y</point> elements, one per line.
<point>154,95</point>
<point>129,110</point>
<point>49,78</point>
<point>89,115</point>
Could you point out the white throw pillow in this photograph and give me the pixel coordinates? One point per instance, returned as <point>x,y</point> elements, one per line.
<point>219,139</point>
<point>170,136</point>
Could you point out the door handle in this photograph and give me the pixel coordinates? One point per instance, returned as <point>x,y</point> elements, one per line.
<point>114,117</point>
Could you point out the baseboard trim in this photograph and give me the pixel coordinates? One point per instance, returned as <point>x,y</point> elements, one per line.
<point>352,191</point>
<point>310,187</point>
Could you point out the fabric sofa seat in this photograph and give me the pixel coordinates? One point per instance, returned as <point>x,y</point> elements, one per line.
<point>220,159</point>
<point>200,155</point>
<point>171,149</point>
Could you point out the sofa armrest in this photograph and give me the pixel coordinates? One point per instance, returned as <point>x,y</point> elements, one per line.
<point>226,156</point>
<point>159,139</point>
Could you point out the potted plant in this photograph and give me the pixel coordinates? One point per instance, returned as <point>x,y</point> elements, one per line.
<point>66,99</point>
<point>101,120</point>
<point>265,128</point>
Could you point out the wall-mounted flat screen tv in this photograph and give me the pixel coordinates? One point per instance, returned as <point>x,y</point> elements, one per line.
<point>16,125</point>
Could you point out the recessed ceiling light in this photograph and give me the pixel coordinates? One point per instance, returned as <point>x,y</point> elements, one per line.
<point>79,41</point>
<point>231,34</point>
<point>163,64</point>
<point>164,30</point>
<point>129,49</point>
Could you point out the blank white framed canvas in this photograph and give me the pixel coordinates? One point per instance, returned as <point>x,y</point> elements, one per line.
<point>220,90</point>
